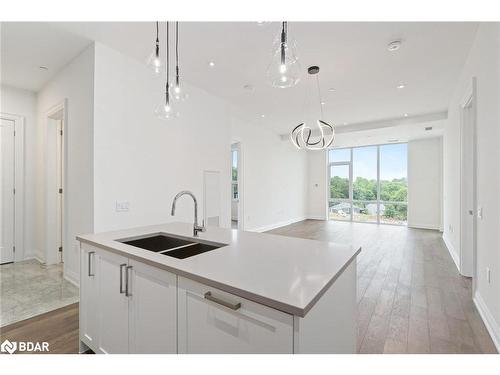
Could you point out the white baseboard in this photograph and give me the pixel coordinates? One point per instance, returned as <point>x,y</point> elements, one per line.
<point>423,226</point>
<point>72,278</point>
<point>277,225</point>
<point>488,319</point>
<point>316,217</point>
<point>451,250</point>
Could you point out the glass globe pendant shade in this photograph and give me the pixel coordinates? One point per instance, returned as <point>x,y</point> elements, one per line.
<point>154,62</point>
<point>166,111</point>
<point>284,69</point>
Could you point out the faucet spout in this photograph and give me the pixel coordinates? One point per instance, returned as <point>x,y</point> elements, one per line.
<point>196,228</point>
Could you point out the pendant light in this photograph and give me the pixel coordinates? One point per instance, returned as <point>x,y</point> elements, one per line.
<point>165,110</point>
<point>179,94</point>
<point>154,60</point>
<point>284,69</point>
<point>302,135</point>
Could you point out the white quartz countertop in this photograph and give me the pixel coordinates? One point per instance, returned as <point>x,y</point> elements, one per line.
<point>285,273</point>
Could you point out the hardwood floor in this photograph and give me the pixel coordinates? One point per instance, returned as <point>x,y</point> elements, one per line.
<point>411,298</point>
<point>59,328</point>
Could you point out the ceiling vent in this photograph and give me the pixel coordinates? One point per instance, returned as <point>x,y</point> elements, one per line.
<point>428,128</point>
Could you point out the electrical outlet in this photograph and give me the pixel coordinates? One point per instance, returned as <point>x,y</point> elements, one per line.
<point>480,212</point>
<point>122,206</point>
<point>488,275</point>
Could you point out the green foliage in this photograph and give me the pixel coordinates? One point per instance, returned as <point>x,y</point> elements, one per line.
<point>235,174</point>
<point>366,190</point>
<point>339,187</point>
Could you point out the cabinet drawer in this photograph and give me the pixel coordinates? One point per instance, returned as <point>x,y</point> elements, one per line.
<point>215,323</point>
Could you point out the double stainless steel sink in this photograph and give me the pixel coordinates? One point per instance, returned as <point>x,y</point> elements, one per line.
<point>177,247</point>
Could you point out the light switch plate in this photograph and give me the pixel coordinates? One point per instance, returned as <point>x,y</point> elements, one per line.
<point>479,212</point>
<point>122,206</point>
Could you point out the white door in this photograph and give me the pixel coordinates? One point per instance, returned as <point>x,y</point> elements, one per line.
<point>152,310</point>
<point>213,321</point>
<point>7,170</point>
<point>59,176</point>
<point>468,190</point>
<point>113,302</point>
<point>89,293</point>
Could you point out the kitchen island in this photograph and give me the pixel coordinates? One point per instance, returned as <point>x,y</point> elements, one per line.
<point>224,291</point>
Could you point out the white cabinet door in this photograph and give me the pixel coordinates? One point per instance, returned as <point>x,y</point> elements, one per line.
<point>152,310</point>
<point>113,303</point>
<point>89,296</point>
<point>206,325</point>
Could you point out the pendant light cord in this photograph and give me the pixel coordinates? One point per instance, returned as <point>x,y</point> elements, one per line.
<point>177,54</point>
<point>157,40</point>
<point>167,67</point>
<point>319,96</point>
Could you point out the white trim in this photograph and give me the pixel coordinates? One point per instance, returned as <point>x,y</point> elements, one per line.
<point>72,278</point>
<point>469,97</point>
<point>452,251</point>
<point>316,217</point>
<point>265,228</point>
<point>18,121</point>
<point>50,212</point>
<point>423,226</point>
<point>488,319</point>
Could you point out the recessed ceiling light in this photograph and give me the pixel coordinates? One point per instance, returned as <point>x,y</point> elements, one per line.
<point>345,123</point>
<point>211,64</point>
<point>405,115</point>
<point>331,89</point>
<point>43,67</point>
<point>262,116</point>
<point>401,86</point>
<point>323,103</point>
<point>392,140</point>
<point>394,45</point>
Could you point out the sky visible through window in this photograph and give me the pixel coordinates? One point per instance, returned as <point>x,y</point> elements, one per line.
<point>393,161</point>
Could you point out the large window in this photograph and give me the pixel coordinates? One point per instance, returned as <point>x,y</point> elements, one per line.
<point>368,184</point>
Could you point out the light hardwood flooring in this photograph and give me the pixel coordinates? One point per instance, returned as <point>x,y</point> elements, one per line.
<point>411,298</point>
<point>59,328</point>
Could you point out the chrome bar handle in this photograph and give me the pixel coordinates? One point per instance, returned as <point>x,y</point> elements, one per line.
<point>121,277</point>
<point>90,263</point>
<point>127,292</point>
<point>210,297</point>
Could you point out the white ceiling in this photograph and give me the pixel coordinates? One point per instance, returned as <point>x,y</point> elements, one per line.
<point>25,46</point>
<point>353,58</point>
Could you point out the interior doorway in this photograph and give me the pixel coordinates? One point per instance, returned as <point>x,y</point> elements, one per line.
<point>236,207</point>
<point>7,191</point>
<point>468,184</point>
<point>55,185</point>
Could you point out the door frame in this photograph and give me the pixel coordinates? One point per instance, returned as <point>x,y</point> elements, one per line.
<point>470,96</point>
<point>350,200</point>
<point>241,173</point>
<point>51,212</point>
<point>18,120</point>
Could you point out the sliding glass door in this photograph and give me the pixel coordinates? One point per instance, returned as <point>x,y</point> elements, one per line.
<point>368,184</point>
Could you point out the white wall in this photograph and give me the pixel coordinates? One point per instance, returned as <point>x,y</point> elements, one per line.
<point>76,84</point>
<point>424,183</point>
<point>274,177</point>
<point>484,63</point>
<point>146,161</point>
<point>23,103</point>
